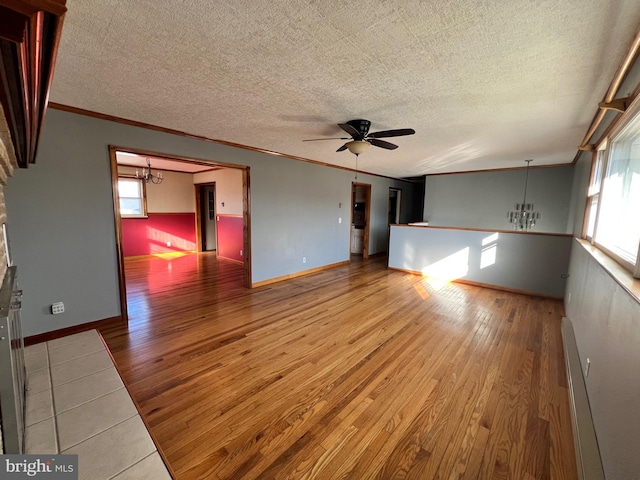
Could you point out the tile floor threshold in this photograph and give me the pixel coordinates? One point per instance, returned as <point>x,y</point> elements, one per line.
<point>78,404</point>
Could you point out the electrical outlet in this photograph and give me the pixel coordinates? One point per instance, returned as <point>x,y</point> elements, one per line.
<point>339,219</point>
<point>57,308</point>
<point>168,244</point>
<point>240,252</point>
<point>587,367</point>
<point>304,259</point>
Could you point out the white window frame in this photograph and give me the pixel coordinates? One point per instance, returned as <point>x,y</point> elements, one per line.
<point>143,199</point>
<point>598,169</point>
<point>605,147</point>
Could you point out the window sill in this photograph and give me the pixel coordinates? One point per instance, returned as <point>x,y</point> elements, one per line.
<point>134,216</point>
<point>621,275</point>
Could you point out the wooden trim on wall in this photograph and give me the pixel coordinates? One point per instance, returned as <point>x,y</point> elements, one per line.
<point>214,164</point>
<point>172,170</point>
<point>300,274</point>
<point>246,214</point>
<point>587,201</point>
<point>134,123</point>
<point>145,208</point>
<point>618,120</point>
<point>614,86</point>
<point>232,260</point>
<point>31,7</point>
<point>505,169</point>
<point>367,221</point>
<point>488,230</point>
<point>199,218</point>
<point>63,332</point>
<point>118,227</point>
<point>618,273</point>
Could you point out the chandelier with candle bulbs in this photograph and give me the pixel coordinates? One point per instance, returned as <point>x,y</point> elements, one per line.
<point>148,176</point>
<point>524,216</point>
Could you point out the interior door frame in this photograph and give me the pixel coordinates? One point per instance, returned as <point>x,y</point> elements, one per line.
<point>397,215</point>
<point>246,212</point>
<point>398,204</point>
<point>200,216</point>
<point>367,216</point>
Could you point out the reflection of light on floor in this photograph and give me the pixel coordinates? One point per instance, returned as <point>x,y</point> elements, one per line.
<point>449,268</point>
<point>421,291</point>
<point>489,250</point>
<point>170,255</point>
<point>437,283</point>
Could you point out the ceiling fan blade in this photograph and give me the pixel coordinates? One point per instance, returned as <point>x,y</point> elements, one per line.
<point>342,148</point>
<point>392,133</point>
<point>383,144</point>
<point>350,130</point>
<point>331,138</point>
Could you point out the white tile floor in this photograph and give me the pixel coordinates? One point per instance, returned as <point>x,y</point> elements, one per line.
<point>77,404</point>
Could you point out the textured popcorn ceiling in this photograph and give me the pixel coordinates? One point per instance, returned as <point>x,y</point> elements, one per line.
<point>485,84</point>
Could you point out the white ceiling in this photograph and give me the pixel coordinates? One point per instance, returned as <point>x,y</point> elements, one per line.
<point>484,84</point>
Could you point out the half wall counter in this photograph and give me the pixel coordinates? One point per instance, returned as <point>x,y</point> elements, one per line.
<point>524,262</point>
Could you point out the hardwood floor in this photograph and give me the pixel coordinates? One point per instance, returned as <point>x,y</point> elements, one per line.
<point>357,372</point>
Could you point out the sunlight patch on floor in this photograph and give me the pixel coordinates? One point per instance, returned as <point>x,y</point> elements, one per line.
<point>170,255</point>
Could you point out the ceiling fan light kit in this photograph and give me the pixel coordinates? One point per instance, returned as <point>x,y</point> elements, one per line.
<point>357,146</point>
<point>361,138</point>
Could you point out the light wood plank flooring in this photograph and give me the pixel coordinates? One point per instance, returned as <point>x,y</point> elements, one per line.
<point>357,372</point>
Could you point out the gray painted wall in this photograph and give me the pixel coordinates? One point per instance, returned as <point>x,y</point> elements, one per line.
<point>482,199</point>
<point>529,262</point>
<point>61,215</point>
<point>606,321</point>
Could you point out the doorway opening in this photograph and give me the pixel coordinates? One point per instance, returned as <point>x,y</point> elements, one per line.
<point>206,231</point>
<point>159,231</point>
<point>395,202</point>
<point>360,218</point>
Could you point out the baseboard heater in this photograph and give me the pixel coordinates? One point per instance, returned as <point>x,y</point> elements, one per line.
<point>12,367</point>
<point>584,434</point>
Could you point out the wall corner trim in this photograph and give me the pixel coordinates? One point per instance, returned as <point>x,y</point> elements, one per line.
<point>584,435</point>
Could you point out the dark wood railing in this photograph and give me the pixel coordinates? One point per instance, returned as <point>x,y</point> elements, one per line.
<point>29,36</point>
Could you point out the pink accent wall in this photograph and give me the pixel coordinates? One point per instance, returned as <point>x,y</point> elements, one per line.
<point>148,236</point>
<point>230,236</point>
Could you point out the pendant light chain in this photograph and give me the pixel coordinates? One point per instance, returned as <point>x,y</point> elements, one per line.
<point>524,218</point>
